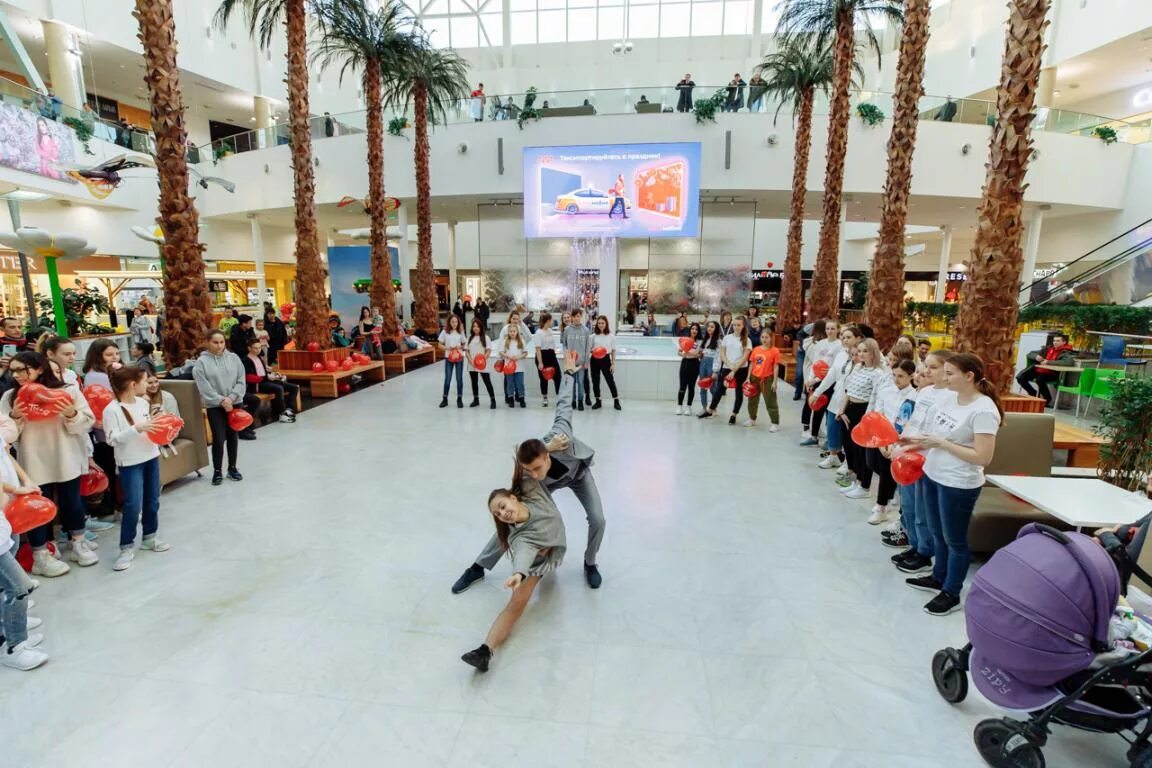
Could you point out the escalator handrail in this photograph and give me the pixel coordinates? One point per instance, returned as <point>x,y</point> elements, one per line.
<point>1091,252</point>
<point>1091,273</point>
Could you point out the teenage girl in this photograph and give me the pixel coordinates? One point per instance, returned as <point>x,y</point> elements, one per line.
<point>762,373</point>
<point>62,351</point>
<point>689,369</point>
<point>18,648</point>
<point>838,370</point>
<point>824,347</point>
<point>961,439</point>
<point>160,400</point>
<point>128,422</point>
<point>544,340</point>
<point>513,349</point>
<point>478,344</point>
<point>525,334</point>
<point>219,376</point>
<point>734,352</point>
<point>54,452</point>
<point>725,323</point>
<point>888,400</point>
<point>709,356</point>
<point>603,366</point>
<point>860,387</point>
<point>103,357</point>
<point>452,337</point>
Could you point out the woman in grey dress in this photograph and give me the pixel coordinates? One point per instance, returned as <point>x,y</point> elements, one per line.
<point>530,529</point>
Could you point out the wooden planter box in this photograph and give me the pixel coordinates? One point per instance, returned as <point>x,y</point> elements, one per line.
<point>302,359</point>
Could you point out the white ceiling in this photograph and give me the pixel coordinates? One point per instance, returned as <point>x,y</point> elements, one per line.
<point>1121,64</point>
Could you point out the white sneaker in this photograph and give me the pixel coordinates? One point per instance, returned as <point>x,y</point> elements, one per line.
<point>856,492</point>
<point>679,410</point>
<point>850,487</point>
<point>879,515</point>
<point>894,526</point>
<point>23,657</point>
<point>773,428</point>
<point>34,640</point>
<point>843,470</point>
<point>44,563</point>
<point>124,561</point>
<point>805,435</point>
<point>155,545</point>
<point>82,554</point>
<point>286,419</point>
<point>749,423</point>
<point>829,462</point>
<point>34,622</point>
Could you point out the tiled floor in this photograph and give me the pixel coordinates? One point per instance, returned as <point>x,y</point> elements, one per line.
<point>749,617</point>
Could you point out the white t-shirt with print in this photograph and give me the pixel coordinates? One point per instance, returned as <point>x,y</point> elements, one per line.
<point>451,339</point>
<point>926,400</point>
<point>734,349</point>
<point>959,424</point>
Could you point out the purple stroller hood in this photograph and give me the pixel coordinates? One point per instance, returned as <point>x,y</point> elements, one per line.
<point>1038,612</point>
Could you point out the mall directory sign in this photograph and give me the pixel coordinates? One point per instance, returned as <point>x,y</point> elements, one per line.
<point>612,190</point>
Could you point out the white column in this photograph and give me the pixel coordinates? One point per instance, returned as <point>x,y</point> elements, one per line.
<point>1031,249</point>
<point>65,69</point>
<point>1046,90</point>
<point>453,286</point>
<point>405,269</point>
<point>506,25</point>
<point>610,281</point>
<point>262,110</point>
<point>945,261</point>
<point>258,258</point>
<point>843,242</point>
<point>757,22</point>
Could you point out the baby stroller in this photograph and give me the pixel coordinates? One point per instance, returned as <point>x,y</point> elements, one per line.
<point>1037,616</point>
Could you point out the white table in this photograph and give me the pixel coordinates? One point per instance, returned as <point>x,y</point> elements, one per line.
<point>1079,502</point>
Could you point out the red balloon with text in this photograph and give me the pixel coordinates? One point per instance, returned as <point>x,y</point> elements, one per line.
<point>908,467</point>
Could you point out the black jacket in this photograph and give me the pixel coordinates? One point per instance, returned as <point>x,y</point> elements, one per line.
<point>239,340</point>
<point>277,334</point>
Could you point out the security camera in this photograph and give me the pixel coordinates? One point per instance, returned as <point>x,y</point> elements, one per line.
<point>617,48</point>
<point>462,147</point>
<point>628,47</point>
<point>772,140</point>
<point>964,150</point>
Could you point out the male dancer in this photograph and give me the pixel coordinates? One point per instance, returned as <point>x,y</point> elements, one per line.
<point>558,461</point>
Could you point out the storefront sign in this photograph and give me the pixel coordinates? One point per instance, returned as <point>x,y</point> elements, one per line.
<point>218,286</point>
<point>957,276</point>
<point>10,264</point>
<point>767,274</point>
<point>1041,273</point>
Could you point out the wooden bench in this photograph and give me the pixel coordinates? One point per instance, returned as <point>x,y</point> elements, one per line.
<point>1022,404</point>
<point>327,383</point>
<point>1083,447</point>
<point>399,361</point>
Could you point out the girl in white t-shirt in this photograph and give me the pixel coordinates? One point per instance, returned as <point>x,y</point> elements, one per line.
<point>605,366</point>
<point>960,434</point>
<point>544,340</point>
<point>452,337</point>
<point>479,344</point>
<point>734,352</point>
<point>709,360</point>
<point>513,349</point>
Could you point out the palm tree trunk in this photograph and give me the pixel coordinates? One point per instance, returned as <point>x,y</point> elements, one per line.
<point>790,314</point>
<point>311,295</point>
<point>427,311</point>
<point>885,305</point>
<point>986,324</point>
<point>382,294</point>
<point>824,301</point>
<point>187,309</point>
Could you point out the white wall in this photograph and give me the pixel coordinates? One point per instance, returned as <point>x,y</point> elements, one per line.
<point>1079,26</point>
<point>1136,100</point>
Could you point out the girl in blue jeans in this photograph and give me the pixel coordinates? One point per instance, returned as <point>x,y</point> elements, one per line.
<point>452,337</point>
<point>960,436</point>
<point>514,350</point>
<point>127,424</point>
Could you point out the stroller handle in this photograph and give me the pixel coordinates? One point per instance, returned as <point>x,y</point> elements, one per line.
<point>1053,533</point>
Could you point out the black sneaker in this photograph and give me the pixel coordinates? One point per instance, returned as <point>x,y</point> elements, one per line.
<point>444,403</point>
<point>234,474</point>
<point>895,540</point>
<point>597,406</point>
<point>943,604</point>
<point>478,658</point>
<point>915,563</point>
<point>616,405</point>
<point>247,434</point>
<point>732,419</point>
<point>592,575</point>
<point>493,404</point>
<point>475,402</point>
<point>925,584</point>
<point>459,402</point>
<point>472,574</point>
<point>706,415</point>
<point>217,478</point>
<point>903,555</point>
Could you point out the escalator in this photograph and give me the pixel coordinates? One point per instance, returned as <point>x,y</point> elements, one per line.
<point>1116,272</point>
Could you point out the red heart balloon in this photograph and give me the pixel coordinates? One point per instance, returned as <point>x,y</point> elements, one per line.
<point>820,404</point>
<point>40,403</point>
<point>30,511</point>
<point>455,355</point>
<point>599,353</point>
<point>750,389</point>
<point>331,365</point>
<point>170,425</point>
<point>499,366</point>
<point>509,367</point>
<point>313,346</point>
<point>908,467</point>
<point>820,369</point>
<point>686,344</point>
<point>348,364</point>
<point>239,419</point>
<point>480,361</point>
<point>98,397</point>
<point>874,431</point>
<point>344,388</point>
<point>730,381</point>
<point>318,367</point>
<point>706,382</point>
<point>548,373</point>
<point>94,482</point>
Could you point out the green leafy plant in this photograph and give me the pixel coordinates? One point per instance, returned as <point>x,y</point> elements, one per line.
<point>705,109</point>
<point>529,111</point>
<point>1106,134</point>
<point>870,114</point>
<point>83,132</point>
<point>79,302</point>
<point>397,125</point>
<point>918,315</point>
<point>223,149</point>
<point>1078,319</point>
<point>1126,425</point>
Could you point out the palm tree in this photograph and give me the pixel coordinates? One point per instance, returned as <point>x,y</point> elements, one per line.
<point>986,324</point>
<point>187,309</point>
<point>793,75</point>
<point>264,18</point>
<point>372,42</point>
<point>833,23</point>
<point>885,306</point>
<point>430,80</point>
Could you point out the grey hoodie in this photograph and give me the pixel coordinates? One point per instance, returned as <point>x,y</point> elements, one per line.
<point>218,377</point>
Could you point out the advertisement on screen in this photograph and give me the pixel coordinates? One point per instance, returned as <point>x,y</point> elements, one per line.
<point>35,144</point>
<point>612,190</point>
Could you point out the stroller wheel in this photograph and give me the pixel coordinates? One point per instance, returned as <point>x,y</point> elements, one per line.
<point>1003,746</point>
<point>950,676</point>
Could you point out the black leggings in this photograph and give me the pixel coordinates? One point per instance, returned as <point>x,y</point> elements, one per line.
<point>817,416</point>
<point>721,386</point>
<point>689,372</point>
<point>474,375</point>
<point>856,454</point>
<point>105,458</point>
<point>284,395</point>
<point>602,366</point>
<point>883,469</point>
<point>548,360</point>
<point>223,436</point>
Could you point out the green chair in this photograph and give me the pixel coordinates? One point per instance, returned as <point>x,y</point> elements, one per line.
<point>1082,388</point>
<point>1102,388</point>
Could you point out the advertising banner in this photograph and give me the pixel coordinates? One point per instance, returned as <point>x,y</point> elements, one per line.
<point>35,144</point>
<point>350,274</point>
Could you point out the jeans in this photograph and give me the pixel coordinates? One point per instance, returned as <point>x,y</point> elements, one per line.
<point>70,512</point>
<point>515,385</point>
<point>449,367</point>
<point>141,483</point>
<point>835,438</point>
<point>948,511</point>
<point>15,586</point>
<point>798,379</point>
<point>578,392</point>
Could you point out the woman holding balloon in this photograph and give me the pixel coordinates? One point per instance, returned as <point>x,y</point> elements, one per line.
<point>219,377</point>
<point>53,420</point>
<point>709,354</point>
<point>603,361</point>
<point>734,352</point>
<point>860,386</point>
<point>103,357</point>
<point>690,351</point>
<point>819,351</point>
<point>452,338</point>
<point>133,434</point>
<point>512,351</point>
<point>544,340</point>
<point>889,400</point>
<point>477,350</point>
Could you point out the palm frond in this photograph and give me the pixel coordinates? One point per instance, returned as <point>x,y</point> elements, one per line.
<point>351,34</point>
<point>816,20</point>
<point>441,72</point>
<point>263,17</point>
<point>798,66</point>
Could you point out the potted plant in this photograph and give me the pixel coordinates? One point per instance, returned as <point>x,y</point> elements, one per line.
<point>79,302</point>
<point>397,125</point>
<point>83,132</point>
<point>1106,134</point>
<point>871,114</point>
<point>529,111</point>
<point>1126,425</point>
<point>705,109</point>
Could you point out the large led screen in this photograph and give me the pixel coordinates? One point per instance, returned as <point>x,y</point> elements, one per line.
<point>612,190</point>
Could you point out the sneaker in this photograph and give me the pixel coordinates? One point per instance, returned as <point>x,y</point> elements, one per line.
<point>478,658</point>
<point>44,563</point>
<point>809,440</point>
<point>806,434</point>
<point>92,539</point>
<point>290,412</point>
<point>679,410</point>
<point>592,576</point>
<point>286,419</point>
<point>23,657</point>
<point>749,423</point>
<point>907,553</point>
<point>897,540</point>
<point>247,434</point>
<point>34,640</point>
<point>471,575</point>
<point>851,486</point>
<point>124,561</point>
<point>858,492</point>
<point>155,545</point>
<point>544,404</point>
<point>98,526</point>
<point>705,415</point>
<point>842,470</point>
<point>773,428</point>
<point>943,604</point>
<point>82,554</point>
<point>925,584</point>
<point>234,474</point>
<point>844,481</point>
<point>731,419</point>
<point>34,622</point>
<point>894,526</point>
<point>831,461</point>
<point>217,478</point>
<point>914,563</point>
<point>879,515</point>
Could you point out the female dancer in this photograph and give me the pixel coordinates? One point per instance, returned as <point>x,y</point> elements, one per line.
<point>219,376</point>
<point>54,453</point>
<point>544,340</point>
<point>689,369</point>
<point>60,350</point>
<point>838,370</point>
<point>478,344</point>
<point>603,366</point>
<point>734,352</point>
<point>961,439</point>
<point>725,323</point>
<point>888,400</point>
<point>860,387</point>
<point>513,350</point>
<point>452,337</point>
<point>709,357</point>
<point>103,357</point>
